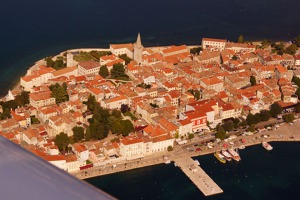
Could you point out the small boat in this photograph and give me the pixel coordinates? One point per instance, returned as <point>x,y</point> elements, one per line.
<point>167,161</point>
<point>267,146</point>
<point>242,147</point>
<point>220,157</point>
<point>234,154</point>
<point>197,162</point>
<point>175,164</point>
<point>226,155</point>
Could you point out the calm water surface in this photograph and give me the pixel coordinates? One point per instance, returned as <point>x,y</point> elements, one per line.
<point>265,175</point>
<point>31,29</point>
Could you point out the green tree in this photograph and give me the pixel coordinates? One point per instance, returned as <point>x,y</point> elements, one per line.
<point>62,141</point>
<point>234,57</point>
<point>195,50</point>
<point>296,80</point>
<point>250,119</point>
<point>90,103</point>
<point>252,80</point>
<point>197,94</point>
<point>221,134</point>
<point>191,136</point>
<point>279,48</point>
<point>297,41</point>
<point>243,123</point>
<point>170,148</point>
<point>252,128</point>
<point>241,39</point>
<point>58,64</point>
<point>118,70</point>
<point>265,43</point>
<point>125,58</point>
<point>228,126</point>
<point>265,115</point>
<point>22,99</point>
<point>78,133</point>
<point>291,49</point>
<point>275,109</point>
<point>115,125</point>
<point>116,113</point>
<point>257,118</point>
<point>297,109</point>
<point>88,134</point>
<point>298,92</point>
<point>49,62</point>
<point>59,93</point>
<point>288,117</point>
<point>127,127</point>
<point>103,71</point>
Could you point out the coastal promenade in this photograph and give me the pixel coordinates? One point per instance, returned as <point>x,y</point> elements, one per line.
<point>285,133</point>
<point>198,176</point>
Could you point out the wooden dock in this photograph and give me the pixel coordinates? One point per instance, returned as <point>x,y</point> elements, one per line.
<point>198,176</point>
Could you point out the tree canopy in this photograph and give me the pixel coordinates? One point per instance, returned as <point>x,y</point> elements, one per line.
<point>59,92</point>
<point>241,39</point>
<point>125,58</point>
<point>252,80</point>
<point>62,141</point>
<point>118,70</point>
<point>288,117</point>
<point>57,64</point>
<point>196,50</point>
<point>103,71</point>
<point>78,133</point>
<point>221,134</point>
<point>275,109</point>
<point>265,115</point>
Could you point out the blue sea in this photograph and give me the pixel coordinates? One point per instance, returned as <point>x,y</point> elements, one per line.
<point>34,29</point>
<point>259,175</point>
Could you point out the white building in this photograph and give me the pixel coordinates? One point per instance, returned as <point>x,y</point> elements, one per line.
<point>214,44</point>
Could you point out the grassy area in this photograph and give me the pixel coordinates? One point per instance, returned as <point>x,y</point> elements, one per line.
<point>130,115</point>
<point>90,56</point>
<point>84,56</point>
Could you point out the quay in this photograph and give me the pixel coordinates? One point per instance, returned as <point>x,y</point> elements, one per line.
<point>198,176</point>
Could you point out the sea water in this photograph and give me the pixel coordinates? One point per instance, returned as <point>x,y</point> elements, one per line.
<point>32,30</point>
<point>261,174</point>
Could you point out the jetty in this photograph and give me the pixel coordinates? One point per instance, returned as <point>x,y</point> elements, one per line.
<point>198,176</point>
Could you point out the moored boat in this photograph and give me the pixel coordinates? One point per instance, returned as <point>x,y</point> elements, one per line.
<point>242,147</point>
<point>226,155</point>
<point>234,154</point>
<point>220,157</point>
<point>267,146</point>
<point>197,162</point>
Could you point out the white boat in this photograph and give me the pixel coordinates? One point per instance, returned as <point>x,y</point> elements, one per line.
<point>267,146</point>
<point>167,161</point>
<point>227,156</point>
<point>175,164</point>
<point>197,162</point>
<point>234,154</point>
<point>242,147</point>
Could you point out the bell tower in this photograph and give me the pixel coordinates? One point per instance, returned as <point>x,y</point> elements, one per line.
<point>137,50</point>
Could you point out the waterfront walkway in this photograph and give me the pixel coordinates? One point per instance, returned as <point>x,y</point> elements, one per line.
<point>198,176</point>
<point>286,133</point>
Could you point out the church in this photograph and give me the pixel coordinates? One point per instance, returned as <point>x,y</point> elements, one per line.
<point>133,51</point>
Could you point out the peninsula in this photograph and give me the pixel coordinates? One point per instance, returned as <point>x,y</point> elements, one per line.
<point>98,111</point>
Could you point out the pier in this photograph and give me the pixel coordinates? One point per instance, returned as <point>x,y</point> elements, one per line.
<point>198,176</point>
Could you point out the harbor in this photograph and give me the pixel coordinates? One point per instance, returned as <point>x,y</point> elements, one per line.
<point>183,158</point>
<point>198,176</point>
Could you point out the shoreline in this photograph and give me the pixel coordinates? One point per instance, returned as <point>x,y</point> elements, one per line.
<point>289,134</point>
